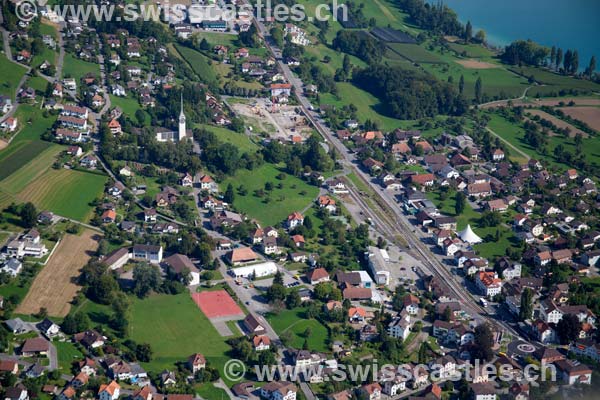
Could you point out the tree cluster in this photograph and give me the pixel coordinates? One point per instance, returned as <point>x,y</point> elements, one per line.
<point>409,94</point>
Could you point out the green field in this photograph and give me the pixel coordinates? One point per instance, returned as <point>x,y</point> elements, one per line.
<point>496,81</point>
<point>294,196</point>
<point>130,105</point>
<point>488,249</point>
<point>553,82</point>
<point>65,192</point>
<point>295,322</point>
<point>472,51</point>
<point>414,53</point>
<point>67,353</point>
<point>368,106</point>
<point>239,140</point>
<point>198,62</point>
<point>515,134</point>
<point>41,156</point>
<point>18,155</point>
<point>175,328</point>
<point>33,123</point>
<point>76,68</point>
<point>11,75</point>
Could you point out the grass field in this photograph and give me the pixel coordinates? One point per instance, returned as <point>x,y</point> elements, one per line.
<point>515,134</point>
<point>18,155</point>
<point>54,287</point>
<point>65,192</point>
<point>239,140</point>
<point>553,83</point>
<point>472,51</point>
<point>488,249</point>
<point>223,70</point>
<point>367,105</point>
<point>129,105</point>
<point>11,75</point>
<point>33,123</point>
<point>175,328</point>
<point>38,164</point>
<point>198,62</point>
<point>414,52</point>
<point>496,81</point>
<point>67,353</point>
<point>294,196</point>
<point>294,321</point>
<point>77,68</point>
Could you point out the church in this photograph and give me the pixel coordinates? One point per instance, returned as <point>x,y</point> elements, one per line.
<point>176,136</point>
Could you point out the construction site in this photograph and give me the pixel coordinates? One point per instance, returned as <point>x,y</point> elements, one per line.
<point>276,121</point>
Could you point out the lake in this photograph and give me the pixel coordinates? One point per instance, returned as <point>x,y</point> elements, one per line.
<point>569,24</point>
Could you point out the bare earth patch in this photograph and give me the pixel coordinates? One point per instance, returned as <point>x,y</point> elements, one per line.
<point>3,144</point>
<point>476,64</point>
<point>589,115</point>
<point>54,287</point>
<point>558,122</point>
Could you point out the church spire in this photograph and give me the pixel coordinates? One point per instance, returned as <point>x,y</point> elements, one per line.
<point>182,122</point>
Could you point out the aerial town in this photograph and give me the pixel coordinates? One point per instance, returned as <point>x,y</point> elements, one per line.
<point>186,200</point>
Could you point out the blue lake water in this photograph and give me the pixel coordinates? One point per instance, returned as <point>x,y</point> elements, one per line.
<point>569,24</point>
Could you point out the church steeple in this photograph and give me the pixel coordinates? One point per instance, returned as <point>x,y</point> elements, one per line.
<point>182,122</point>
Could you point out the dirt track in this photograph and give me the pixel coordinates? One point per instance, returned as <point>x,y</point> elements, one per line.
<point>54,286</point>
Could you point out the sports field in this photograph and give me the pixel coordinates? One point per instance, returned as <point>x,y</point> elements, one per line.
<point>295,194</point>
<point>217,304</point>
<point>65,192</point>
<point>53,288</point>
<point>175,328</point>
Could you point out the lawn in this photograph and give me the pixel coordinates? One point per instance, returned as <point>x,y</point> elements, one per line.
<point>295,322</point>
<point>488,249</point>
<point>208,391</point>
<point>38,83</point>
<point>11,75</point>
<point>76,68</point>
<point>224,71</point>
<point>33,123</point>
<point>239,140</point>
<point>199,63</point>
<point>175,328</point>
<point>67,353</point>
<point>129,105</point>
<point>276,205</point>
<point>65,192</point>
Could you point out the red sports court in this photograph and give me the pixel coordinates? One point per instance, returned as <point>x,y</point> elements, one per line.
<point>217,304</point>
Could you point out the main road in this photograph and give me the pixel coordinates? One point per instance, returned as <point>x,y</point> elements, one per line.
<point>395,223</point>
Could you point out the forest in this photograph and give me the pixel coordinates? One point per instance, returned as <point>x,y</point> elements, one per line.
<point>409,94</point>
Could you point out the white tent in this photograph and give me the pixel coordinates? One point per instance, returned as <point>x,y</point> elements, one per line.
<point>467,235</point>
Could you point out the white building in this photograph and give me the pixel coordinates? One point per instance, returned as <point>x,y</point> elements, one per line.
<point>258,270</point>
